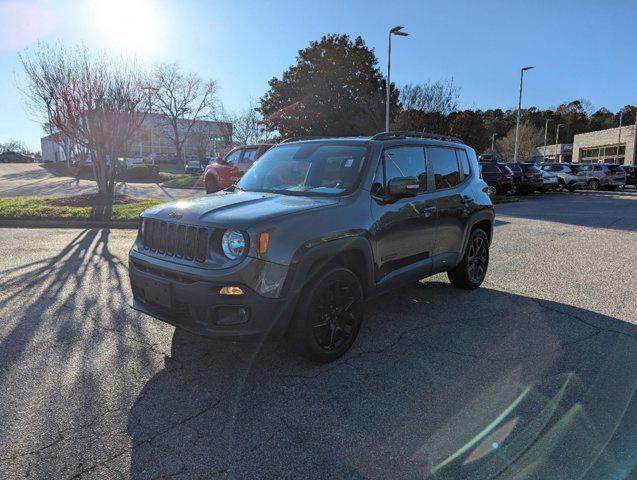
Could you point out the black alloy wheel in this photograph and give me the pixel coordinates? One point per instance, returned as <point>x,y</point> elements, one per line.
<point>333,319</point>
<point>328,315</point>
<point>470,272</point>
<point>477,259</point>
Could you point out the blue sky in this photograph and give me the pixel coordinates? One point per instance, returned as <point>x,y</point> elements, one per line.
<point>580,49</point>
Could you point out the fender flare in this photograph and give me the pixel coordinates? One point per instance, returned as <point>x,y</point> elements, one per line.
<point>315,254</point>
<point>476,217</point>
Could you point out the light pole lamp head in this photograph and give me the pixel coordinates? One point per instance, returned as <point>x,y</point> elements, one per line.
<point>524,69</point>
<point>397,31</point>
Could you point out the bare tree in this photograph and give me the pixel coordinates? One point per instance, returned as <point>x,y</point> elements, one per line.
<point>14,146</point>
<point>181,100</point>
<point>439,96</point>
<point>201,138</point>
<point>247,125</point>
<point>530,138</point>
<point>95,100</point>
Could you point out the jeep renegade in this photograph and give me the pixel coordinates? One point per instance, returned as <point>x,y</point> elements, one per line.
<point>311,230</point>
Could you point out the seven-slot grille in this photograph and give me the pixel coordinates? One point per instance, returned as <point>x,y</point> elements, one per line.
<point>175,240</point>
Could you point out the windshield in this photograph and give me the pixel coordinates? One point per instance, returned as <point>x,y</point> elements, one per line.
<point>316,168</point>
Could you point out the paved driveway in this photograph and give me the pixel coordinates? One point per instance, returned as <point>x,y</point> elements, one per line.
<point>531,376</point>
<point>31,180</point>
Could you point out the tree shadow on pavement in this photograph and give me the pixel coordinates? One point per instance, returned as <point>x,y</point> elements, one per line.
<point>440,384</point>
<point>65,366</point>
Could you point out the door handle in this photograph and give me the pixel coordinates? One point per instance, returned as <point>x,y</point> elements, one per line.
<point>427,211</point>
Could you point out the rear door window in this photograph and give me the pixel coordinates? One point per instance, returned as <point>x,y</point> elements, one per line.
<point>445,167</point>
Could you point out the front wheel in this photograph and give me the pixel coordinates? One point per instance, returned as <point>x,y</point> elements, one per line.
<point>329,315</point>
<point>470,272</point>
<point>211,184</point>
<point>593,184</point>
<point>560,185</point>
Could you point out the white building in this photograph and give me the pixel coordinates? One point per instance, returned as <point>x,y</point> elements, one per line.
<point>153,141</point>
<point>562,152</point>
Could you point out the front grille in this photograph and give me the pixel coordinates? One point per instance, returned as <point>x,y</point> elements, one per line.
<point>175,240</point>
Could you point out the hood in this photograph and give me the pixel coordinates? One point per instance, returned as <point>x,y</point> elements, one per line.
<point>238,210</point>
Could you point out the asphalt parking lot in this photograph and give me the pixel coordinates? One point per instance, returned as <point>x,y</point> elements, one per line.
<point>31,180</point>
<point>531,376</point>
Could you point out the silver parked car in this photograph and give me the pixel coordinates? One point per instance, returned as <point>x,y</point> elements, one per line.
<point>602,175</point>
<point>567,177</point>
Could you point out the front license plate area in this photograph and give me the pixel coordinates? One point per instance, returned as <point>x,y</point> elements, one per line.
<point>158,291</point>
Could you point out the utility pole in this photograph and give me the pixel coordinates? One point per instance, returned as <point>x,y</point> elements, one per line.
<point>493,142</point>
<point>517,123</point>
<point>392,31</point>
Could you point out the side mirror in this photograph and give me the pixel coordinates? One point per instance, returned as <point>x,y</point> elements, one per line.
<point>403,187</point>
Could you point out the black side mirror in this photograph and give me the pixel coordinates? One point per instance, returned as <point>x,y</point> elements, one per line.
<point>403,187</point>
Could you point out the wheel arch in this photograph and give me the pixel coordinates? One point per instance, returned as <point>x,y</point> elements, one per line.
<point>483,219</point>
<point>353,252</point>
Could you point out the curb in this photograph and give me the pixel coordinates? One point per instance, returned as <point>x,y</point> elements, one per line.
<point>31,223</point>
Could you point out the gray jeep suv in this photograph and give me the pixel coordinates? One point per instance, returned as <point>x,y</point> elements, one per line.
<point>311,230</point>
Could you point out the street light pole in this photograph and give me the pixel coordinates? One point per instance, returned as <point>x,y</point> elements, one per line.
<point>546,126</point>
<point>392,31</point>
<point>619,136</point>
<point>557,136</point>
<point>517,123</point>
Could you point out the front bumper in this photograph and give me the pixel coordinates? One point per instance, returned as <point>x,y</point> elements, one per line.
<point>196,305</point>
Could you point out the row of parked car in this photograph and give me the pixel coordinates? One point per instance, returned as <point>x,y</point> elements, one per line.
<point>520,178</point>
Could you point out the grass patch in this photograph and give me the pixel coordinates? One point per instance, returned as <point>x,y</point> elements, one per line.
<point>80,207</point>
<point>183,180</point>
<point>135,173</point>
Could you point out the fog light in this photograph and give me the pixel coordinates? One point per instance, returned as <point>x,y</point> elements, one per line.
<point>231,290</point>
<point>232,315</point>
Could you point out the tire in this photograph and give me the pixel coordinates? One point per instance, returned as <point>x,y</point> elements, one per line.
<point>211,184</point>
<point>324,326</point>
<point>560,185</point>
<point>593,184</point>
<point>470,272</point>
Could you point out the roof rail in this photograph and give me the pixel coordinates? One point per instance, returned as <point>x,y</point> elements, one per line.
<point>298,139</point>
<point>409,133</point>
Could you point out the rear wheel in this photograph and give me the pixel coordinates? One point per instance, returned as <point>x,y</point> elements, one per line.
<point>593,184</point>
<point>470,272</point>
<point>329,315</point>
<point>211,184</point>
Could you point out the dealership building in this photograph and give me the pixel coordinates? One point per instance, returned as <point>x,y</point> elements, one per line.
<point>153,142</point>
<point>562,152</point>
<point>615,145</point>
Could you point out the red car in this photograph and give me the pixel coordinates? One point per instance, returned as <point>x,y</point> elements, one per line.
<point>226,172</point>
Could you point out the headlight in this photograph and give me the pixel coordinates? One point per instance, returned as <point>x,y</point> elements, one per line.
<point>233,244</point>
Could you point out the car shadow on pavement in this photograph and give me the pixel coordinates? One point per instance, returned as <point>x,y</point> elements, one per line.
<point>441,383</point>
